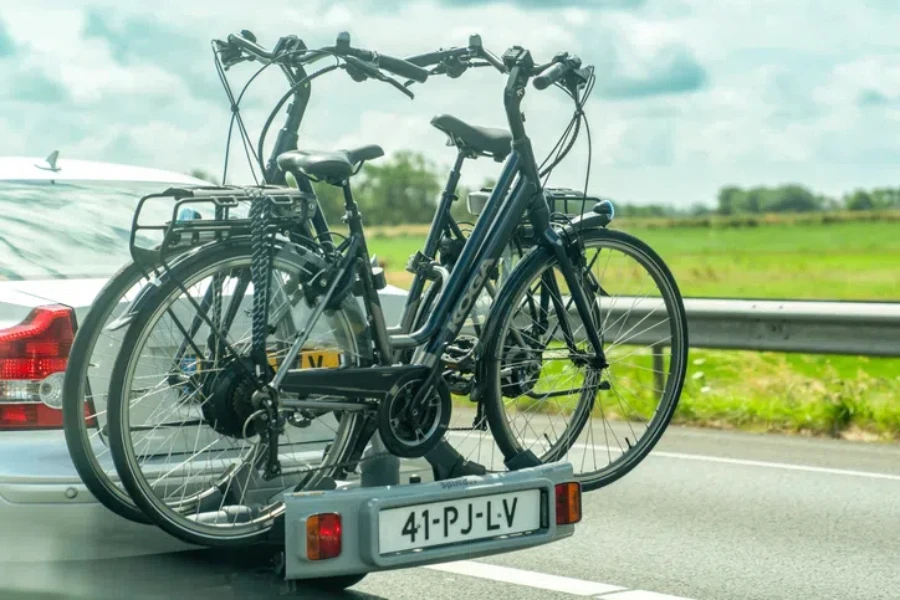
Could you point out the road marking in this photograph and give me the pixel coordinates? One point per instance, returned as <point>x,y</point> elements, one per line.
<point>639,595</point>
<point>552,583</point>
<point>739,461</point>
<point>774,465</point>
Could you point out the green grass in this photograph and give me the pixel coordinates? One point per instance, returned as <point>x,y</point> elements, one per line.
<point>833,396</point>
<point>841,396</point>
<point>839,261</point>
<point>836,396</point>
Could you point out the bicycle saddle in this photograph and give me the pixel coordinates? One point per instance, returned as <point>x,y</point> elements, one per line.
<point>333,166</point>
<point>482,140</point>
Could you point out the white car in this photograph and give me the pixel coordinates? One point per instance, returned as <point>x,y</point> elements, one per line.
<point>64,227</point>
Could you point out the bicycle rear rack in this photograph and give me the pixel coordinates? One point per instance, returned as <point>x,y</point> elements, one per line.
<point>179,219</point>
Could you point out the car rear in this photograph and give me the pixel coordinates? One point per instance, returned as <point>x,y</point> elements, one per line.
<point>63,233</point>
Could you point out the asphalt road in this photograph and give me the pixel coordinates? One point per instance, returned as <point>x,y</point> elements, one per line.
<point>710,515</point>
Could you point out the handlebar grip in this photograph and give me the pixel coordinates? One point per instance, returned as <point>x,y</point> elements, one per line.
<point>551,75</point>
<point>400,67</point>
<point>249,46</point>
<point>427,59</point>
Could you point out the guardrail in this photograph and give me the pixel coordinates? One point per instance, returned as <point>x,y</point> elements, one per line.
<point>807,326</point>
<point>810,327</point>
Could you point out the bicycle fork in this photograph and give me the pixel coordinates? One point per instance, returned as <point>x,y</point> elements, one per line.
<point>579,297</point>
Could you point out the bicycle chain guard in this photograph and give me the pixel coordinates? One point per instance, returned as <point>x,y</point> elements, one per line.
<point>411,430</point>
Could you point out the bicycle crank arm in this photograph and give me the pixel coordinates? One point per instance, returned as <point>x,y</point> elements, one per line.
<point>356,382</point>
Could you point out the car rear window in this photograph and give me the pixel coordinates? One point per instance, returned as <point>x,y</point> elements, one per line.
<point>69,230</point>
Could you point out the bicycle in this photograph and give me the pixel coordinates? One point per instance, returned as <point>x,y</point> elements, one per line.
<point>100,332</point>
<point>410,402</point>
<point>99,335</point>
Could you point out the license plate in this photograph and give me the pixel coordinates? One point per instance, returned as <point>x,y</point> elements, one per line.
<point>456,521</point>
<point>314,359</point>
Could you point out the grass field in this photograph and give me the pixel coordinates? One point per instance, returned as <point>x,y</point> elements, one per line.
<point>821,395</point>
<point>846,261</point>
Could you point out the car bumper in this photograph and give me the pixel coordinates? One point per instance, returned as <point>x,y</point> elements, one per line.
<point>47,514</point>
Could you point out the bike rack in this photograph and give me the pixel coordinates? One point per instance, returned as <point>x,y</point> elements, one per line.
<point>359,507</point>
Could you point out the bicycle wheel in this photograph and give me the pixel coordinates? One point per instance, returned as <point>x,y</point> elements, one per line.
<point>204,482</point>
<point>544,402</point>
<point>85,389</point>
<point>86,385</point>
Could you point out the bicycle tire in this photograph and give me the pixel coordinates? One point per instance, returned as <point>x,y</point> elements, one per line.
<point>130,473</point>
<point>535,263</point>
<point>75,427</point>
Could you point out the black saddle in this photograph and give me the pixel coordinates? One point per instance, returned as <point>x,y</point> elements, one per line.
<point>333,167</point>
<point>479,140</point>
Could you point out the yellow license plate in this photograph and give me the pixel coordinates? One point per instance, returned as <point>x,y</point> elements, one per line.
<point>313,359</point>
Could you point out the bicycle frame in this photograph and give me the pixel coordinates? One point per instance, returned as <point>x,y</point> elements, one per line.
<point>518,190</point>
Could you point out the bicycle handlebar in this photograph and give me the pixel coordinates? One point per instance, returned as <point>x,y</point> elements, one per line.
<point>246,42</point>
<point>401,67</point>
<point>562,65</point>
<point>475,49</point>
<point>251,47</point>
<point>397,66</point>
<point>551,75</point>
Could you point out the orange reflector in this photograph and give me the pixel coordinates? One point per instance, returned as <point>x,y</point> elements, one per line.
<point>568,503</point>
<point>323,536</point>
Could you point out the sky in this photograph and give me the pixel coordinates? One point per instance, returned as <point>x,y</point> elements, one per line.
<point>691,95</point>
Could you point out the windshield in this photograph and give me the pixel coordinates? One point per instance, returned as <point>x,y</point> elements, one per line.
<point>70,230</point>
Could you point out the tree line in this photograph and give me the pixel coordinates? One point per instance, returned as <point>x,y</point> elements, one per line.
<point>404,188</point>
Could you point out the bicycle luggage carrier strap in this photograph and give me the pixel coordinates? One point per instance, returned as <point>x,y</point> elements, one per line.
<point>182,218</point>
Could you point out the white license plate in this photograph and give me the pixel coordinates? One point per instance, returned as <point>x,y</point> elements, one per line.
<point>455,521</point>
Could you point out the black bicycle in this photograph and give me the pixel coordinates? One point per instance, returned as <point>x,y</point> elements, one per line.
<point>222,380</point>
<point>100,334</point>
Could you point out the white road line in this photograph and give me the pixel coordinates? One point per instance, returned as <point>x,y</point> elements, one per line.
<point>639,595</point>
<point>740,461</point>
<point>551,583</point>
<point>774,465</point>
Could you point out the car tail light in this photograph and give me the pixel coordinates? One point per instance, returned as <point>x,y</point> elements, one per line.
<point>568,503</point>
<point>323,536</point>
<point>33,358</point>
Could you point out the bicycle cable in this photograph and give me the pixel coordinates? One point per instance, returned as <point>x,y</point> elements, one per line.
<point>236,117</point>
<point>291,91</point>
<point>589,87</point>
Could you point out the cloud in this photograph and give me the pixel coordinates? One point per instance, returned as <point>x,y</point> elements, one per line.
<point>555,4</point>
<point>142,41</point>
<point>870,97</point>
<point>672,70</point>
<point>37,88</point>
<point>686,100</point>
<point>7,46</point>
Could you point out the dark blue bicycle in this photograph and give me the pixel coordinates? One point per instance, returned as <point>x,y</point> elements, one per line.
<point>292,369</point>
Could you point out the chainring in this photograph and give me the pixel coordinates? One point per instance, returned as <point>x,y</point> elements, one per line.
<point>412,431</point>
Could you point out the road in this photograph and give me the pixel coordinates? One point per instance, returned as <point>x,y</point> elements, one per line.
<point>709,516</point>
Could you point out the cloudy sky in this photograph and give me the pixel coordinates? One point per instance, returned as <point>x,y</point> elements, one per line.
<point>691,94</point>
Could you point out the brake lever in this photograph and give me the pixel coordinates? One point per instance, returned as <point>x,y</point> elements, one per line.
<point>228,54</point>
<point>399,86</point>
<point>359,70</point>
